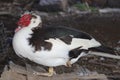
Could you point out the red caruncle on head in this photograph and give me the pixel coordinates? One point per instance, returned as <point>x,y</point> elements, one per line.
<point>24,21</point>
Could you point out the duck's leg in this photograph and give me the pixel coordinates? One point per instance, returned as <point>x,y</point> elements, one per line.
<point>50,72</point>
<point>68,64</point>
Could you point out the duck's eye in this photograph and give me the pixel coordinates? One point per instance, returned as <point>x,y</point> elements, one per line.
<point>33,21</point>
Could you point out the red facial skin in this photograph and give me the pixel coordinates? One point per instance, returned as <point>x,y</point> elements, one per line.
<point>24,21</point>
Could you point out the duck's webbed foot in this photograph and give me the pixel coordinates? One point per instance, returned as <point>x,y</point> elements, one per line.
<point>51,72</point>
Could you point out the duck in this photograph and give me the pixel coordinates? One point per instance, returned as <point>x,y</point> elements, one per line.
<point>51,46</point>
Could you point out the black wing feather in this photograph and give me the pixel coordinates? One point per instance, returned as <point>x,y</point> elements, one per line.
<point>39,36</point>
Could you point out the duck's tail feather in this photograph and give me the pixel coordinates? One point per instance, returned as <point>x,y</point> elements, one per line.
<point>104,49</point>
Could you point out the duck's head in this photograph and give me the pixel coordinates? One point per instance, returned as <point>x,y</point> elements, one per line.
<point>29,20</point>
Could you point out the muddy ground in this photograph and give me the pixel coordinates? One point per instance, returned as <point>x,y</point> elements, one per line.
<point>104,27</point>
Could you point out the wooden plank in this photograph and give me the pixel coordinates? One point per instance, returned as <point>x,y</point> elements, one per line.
<point>19,73</point>
<point>71,76</point>
<point>11,75</point>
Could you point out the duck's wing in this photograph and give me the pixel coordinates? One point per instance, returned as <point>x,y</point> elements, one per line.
<point>65,34</point>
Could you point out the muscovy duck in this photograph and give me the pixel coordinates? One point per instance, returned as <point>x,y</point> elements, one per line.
<point>51,46</point>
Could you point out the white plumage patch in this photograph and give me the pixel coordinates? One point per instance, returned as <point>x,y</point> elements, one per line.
<point>84,43</point>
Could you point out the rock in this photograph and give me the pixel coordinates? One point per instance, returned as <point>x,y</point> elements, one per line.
<point>52,5</point>
<point>114,3</point>
<point>43,14</point>
<point>3,35</point>
<point>117,48</point>
<point>62,14</point>
<point>72,2</point>
<point>24,4</point>
<point>119,42</point>
<point>73,10</point>
<point>8,1</point>
<point>21,2</point>
<point>98,3</point>
<point>109,10</point>
<point>104,3</point>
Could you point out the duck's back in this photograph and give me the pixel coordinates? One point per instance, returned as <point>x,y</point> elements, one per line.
<point>58,32</point>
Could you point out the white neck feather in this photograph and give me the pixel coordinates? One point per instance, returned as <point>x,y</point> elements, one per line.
<point>35,22</point>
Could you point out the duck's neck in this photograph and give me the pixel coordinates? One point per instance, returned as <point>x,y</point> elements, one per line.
<point>29,28</point>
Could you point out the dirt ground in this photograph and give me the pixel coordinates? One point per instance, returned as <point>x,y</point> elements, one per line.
<point>104,27</point>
